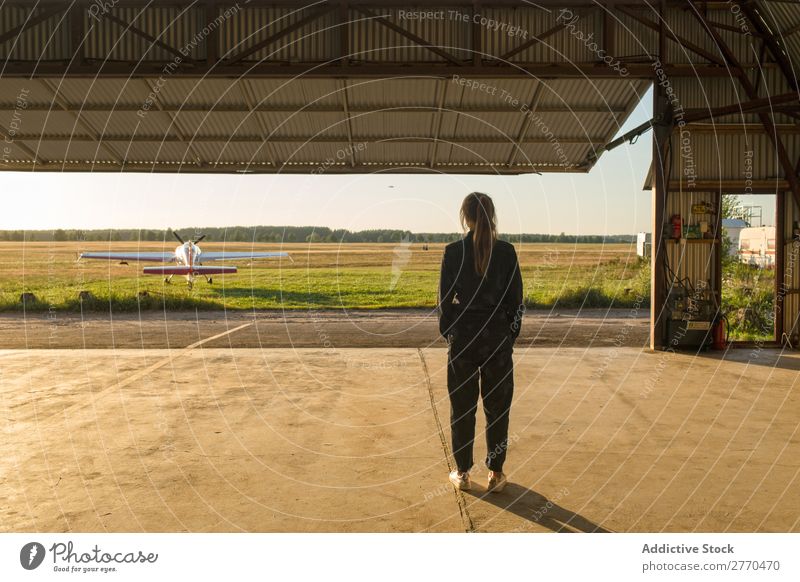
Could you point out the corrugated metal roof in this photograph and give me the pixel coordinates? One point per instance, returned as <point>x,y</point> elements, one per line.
<point>398,119</point>
<point>288,92</point>
<point>389,125</point>
<point>310,124</point>
<point>214,93</point>
<point>404,118</point>
<point>784,19</point>
<point>387,93</point>
<point>111,91</point>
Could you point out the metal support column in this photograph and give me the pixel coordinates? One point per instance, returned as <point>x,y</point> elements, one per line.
<point>780,262</point>
<point>662,129</point>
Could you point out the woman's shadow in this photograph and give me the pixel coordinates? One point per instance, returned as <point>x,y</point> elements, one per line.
<point>536,508</point>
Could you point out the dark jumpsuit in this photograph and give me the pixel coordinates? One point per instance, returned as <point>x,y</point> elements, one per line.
<point>480,317</point>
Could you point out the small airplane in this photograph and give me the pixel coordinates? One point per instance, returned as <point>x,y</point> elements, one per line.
<point>188,259</point>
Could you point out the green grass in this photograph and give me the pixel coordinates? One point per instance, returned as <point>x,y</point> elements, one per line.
<point>605,285</point>
<point>321,277</point>
<point>262,288</point>
<point>748,295</point>
<point>356,288</point>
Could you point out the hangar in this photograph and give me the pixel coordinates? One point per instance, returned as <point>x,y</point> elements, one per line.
<point>502,87</point>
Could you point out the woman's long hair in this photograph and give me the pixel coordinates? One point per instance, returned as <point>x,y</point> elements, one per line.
<point>477,212</point>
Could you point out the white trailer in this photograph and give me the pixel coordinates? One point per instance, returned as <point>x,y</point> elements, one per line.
<point>757,246</point>
<point>643,244</point>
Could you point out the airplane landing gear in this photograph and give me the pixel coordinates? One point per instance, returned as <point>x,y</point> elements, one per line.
<point>168,280</point>
<point>190,284</point>
<point>209,280</point>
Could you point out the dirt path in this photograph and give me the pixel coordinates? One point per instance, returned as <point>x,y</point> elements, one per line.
<point>306,329</point>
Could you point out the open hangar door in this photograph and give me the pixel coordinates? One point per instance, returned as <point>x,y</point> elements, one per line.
<point>222,87</point>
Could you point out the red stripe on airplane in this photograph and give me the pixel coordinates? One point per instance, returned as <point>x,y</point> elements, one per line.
<point>180,270</point>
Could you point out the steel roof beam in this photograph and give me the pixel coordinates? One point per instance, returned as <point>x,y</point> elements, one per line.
<point>127,27</point>
<point>740,128</point>
<point>32,21</point>
<point>711,4</point>
<point>536,39</point>
<point>301,139</point>
<point>766,120</point>
<point>409,35</point>
<point>309,18</point>
<point>212,38</point>
<point>730,186</point>
<point>411,167</point>
<point>773,43</point>
<point>752,106</point>
<point>477,35</point>
<point>791,30</point>
<point>344,33</point>
<point>77,30</point>
<point>731,28</point>
<point>666,32</point>
<point>499,70</point>
<point>303,108</point>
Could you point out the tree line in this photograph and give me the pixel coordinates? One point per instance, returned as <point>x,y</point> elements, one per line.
<point>287,234</point>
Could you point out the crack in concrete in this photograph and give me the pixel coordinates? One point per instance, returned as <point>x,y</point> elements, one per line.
<point>466,520</point>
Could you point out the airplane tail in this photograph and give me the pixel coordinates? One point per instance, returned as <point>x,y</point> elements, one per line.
<point>193,270</point>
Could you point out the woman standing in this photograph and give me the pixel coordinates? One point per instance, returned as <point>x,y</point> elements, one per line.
<point>480,313</point>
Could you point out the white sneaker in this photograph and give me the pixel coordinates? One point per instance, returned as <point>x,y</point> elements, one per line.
<point>496,483</point>
<point>460,480</point>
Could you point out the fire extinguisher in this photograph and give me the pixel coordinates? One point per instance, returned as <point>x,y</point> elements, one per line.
<point>719,335</point>
<point>675,221</point>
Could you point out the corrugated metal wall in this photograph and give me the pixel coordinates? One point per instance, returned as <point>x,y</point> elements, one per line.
<point>317,41</point>
<point>179,28</point>
<point>791,279</point>
<point>371,41</point>
<point>782,17</point>
<point>49,40</point>
<point>729,157</point>
<point>502,29</point>
<point>693,259</point>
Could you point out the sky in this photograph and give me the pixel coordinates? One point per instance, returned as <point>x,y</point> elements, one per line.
<point>607,200</point>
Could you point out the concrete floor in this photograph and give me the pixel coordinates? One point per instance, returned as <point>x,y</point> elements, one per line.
<point>346,439</point>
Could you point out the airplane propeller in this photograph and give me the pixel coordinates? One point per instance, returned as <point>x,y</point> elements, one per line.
<point>180,240</point>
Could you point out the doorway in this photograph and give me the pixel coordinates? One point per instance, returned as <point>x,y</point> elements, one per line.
<point>748,260</point>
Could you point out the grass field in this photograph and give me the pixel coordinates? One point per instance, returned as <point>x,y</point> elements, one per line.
<point>748,299</point>
<point>320,276</point>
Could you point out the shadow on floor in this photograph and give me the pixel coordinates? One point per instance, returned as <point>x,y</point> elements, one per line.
<point>755,355</point>
<point>536,508</point>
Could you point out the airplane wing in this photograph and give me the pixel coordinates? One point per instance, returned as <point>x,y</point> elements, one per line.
<point>228,256</point>
<point>134,256</point>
